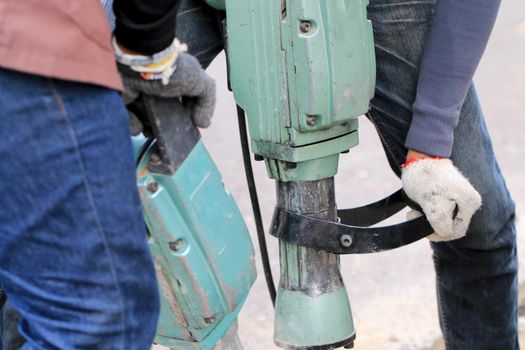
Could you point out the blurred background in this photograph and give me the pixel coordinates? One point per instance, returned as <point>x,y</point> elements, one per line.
<point>392,293</point>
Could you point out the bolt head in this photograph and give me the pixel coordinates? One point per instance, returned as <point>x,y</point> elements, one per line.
<point>175,246</point>
<point>155,158</point>
<point>346,241</point>
<point>210,319</point>
<point>305,26</point>
<point>153,187</point>
<point>311,120</point>
<point>290,165</point>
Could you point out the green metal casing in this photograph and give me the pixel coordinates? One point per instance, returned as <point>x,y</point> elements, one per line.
<point>218,4</point>
<point>312,321</point>
<point>302,70</point>
<point>202,251</point>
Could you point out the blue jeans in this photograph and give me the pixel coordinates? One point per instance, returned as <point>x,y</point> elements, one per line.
<point>476,276</point>
<point>74,259</point>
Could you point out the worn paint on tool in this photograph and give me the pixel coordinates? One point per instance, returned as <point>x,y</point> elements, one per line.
<point>302,97</point>
<point>204,260</point>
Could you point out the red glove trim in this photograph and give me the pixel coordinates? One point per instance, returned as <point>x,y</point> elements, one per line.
<point>411,160</point>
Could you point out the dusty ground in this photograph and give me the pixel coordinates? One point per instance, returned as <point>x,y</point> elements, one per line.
<point>392,293</point>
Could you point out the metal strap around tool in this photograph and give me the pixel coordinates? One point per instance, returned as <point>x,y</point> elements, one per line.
<point>345,237</point>
<point>373,213</point>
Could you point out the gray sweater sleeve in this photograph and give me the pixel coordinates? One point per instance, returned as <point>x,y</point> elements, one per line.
<point>456,41</point>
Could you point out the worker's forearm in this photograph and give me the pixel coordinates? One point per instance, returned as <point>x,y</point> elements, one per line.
<point>145,26</point>
<point>412,154</point>
<point>458,36</point>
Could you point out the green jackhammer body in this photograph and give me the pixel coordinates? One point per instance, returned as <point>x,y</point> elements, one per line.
<point>303,70</point>
<point>201,247</point>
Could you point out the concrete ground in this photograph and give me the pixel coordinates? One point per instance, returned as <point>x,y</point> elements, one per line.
<point>392,293</point>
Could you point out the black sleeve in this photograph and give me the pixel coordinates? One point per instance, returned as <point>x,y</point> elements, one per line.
<point>145,26</point>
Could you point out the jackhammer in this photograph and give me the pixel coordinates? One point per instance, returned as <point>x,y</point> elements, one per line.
<point>303,70</point>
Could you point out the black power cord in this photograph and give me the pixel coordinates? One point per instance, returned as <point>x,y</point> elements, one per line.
<point>255,203</point>
<point>221,19</point>
<point>143,150</point>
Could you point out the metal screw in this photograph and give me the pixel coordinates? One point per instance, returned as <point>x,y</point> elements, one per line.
<point>346,241</point>
<point>210,319</point>
<point>311,120</point>
<point>155,159</point>
<point>290,165</point>
<point>175,246</point>
<point>153,187</point>
<point>305,26</point>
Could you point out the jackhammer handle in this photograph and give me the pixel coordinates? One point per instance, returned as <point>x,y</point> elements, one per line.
<point>170,124</point>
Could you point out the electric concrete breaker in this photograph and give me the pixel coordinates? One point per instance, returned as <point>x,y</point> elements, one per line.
<point>303,70</point>
<point>201,247</point>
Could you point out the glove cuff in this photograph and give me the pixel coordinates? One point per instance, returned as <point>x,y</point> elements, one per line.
<point>159,66</point>
<point>411,160</point>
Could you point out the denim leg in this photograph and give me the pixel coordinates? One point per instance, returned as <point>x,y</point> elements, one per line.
<point>198,25</point>
<point>477,275</point>
<point>74,260</point>
<point>477,282</point>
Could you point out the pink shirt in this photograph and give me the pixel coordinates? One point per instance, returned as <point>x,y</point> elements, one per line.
<point>64,39</point>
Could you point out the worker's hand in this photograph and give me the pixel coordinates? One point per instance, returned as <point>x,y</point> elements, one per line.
<point>170,73</point>
<point>446,197</point>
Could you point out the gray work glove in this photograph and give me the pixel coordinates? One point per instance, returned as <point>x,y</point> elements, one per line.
<point>171,73</point>
<point>446,196</point>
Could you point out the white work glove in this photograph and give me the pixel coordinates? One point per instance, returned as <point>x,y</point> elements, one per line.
<point>439,188</point>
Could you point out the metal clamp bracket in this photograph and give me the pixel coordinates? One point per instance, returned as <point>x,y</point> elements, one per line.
<point>352,234</point>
